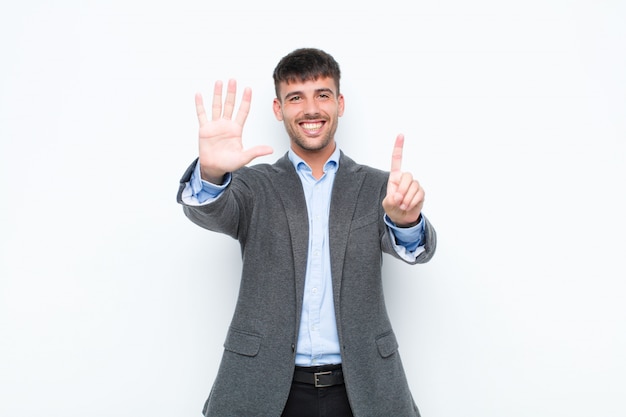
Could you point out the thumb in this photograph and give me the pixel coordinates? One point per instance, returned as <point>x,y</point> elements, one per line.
<point>257,151</point>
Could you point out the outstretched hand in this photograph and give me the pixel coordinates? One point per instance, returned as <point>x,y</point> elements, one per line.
<point>405,197</point>
<point>219,139</point>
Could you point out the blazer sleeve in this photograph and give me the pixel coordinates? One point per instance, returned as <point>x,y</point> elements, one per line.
<point>221,215</point>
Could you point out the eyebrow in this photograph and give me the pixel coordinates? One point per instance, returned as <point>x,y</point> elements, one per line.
<point>317,91</point>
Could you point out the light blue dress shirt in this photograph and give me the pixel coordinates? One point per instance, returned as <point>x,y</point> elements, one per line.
<point>318,342</point>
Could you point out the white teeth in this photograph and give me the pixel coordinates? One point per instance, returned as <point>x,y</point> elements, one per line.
<point>312,126</point>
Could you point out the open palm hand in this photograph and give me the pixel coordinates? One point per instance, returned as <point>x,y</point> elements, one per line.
<point>220,138</point>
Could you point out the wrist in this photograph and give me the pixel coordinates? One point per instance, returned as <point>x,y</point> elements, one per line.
<point>212,177</point>
<point>411,224</point>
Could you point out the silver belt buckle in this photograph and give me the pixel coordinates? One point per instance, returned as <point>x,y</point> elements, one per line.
<point>317,381</point>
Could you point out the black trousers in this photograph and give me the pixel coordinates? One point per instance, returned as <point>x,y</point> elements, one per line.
<point>306,400</point>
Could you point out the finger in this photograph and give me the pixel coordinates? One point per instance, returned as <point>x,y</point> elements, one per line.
<point>217,101</point>
<point>229,103</point>
<point>404,183</point>
<point>257,151</point>
<point>418,199</point>
<point>412,197</point>
<point>202,120</point>
<point>396,156</point>
<point>244,107</point>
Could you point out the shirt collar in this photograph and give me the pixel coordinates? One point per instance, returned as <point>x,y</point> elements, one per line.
<point>299,164</point>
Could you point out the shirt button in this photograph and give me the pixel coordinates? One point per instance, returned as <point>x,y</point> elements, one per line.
<point>314,290</point>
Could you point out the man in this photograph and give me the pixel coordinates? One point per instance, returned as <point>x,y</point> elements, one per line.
<point>310,335</point>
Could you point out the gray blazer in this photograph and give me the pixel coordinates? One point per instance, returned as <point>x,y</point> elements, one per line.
<point>264,208</point>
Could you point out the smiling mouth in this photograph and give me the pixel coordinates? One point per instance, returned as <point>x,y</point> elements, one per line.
<point>312,126</point>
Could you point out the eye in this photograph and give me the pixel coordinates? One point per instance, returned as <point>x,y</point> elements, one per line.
<point>294,99</point>
<point>324,96</point>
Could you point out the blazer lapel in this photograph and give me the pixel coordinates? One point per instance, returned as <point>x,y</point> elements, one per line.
<point>289,190</point>
<point>348,181</point>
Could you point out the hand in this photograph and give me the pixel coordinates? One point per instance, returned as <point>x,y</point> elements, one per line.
<point>405,197</point>
<point>219,139</point>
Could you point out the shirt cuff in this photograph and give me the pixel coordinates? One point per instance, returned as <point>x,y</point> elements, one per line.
<point>198,191</point>
<point>410,238</point>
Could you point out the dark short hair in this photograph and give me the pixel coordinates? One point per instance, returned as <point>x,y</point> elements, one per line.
<point>306,64</point>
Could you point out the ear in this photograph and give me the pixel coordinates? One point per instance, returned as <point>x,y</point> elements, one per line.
<point>341,105</point>
<point>278,111</point>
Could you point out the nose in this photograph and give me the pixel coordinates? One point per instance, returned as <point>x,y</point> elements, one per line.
<point>311,108</point>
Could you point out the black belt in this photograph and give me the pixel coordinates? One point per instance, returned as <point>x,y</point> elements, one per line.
<point>319,376</point>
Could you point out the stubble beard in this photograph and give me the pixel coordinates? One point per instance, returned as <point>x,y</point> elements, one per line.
<point>311,144</point>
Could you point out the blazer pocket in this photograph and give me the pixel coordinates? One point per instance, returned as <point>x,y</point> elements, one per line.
<point>243,343</point>
<point>365,221</point>
<point>387,344</point>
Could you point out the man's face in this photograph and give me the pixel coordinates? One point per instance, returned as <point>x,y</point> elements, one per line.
<point>310,112</point>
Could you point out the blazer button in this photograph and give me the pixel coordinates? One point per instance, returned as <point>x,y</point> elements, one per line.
<point>293,347</point>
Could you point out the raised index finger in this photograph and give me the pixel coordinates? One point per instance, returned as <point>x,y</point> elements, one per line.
<point>396,156</point>
<point>244,107</point>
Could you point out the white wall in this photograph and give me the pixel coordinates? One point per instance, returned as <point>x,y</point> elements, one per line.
<point>514,116</point>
